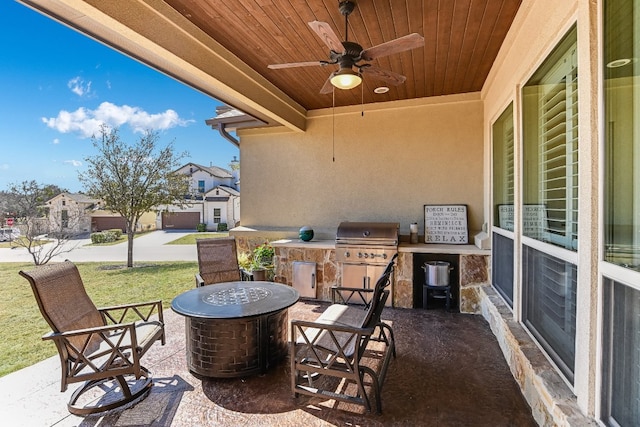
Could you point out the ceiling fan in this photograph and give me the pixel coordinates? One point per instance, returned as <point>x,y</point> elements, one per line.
<point>349,55</point>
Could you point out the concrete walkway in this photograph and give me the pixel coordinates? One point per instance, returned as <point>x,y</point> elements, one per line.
<point>149,247</point>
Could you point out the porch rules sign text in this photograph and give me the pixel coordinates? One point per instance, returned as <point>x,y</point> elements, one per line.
<point>446,224</point>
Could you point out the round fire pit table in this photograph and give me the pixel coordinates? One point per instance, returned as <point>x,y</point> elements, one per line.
<point>235,329</point>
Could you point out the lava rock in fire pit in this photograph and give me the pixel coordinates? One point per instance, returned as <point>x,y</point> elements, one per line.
<point>306,233</point>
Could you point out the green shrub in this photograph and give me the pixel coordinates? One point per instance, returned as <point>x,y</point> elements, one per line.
<point>116,231</point>
<point>106,236</point>
<point>97,237</point>
<point>201,227</point>
<point>222,226</point>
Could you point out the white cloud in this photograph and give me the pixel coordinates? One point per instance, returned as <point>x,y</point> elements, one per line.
<point>56,141</point>
<point>75,163</point>
<point>87,122</point>
<point>79,86</point>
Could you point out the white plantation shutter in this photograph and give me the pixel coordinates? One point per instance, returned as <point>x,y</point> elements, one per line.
<point>550,309</point>
<point>558,151</point>
<point>509,163</point>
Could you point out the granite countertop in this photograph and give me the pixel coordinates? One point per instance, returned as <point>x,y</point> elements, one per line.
<point>438,248</point>
<point>297,243</point>
<point>402,247</point>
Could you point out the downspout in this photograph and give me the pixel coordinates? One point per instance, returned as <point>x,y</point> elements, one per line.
<point>226,135</point>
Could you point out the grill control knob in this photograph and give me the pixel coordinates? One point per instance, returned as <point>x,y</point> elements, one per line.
<point>384,256</point>
<point>347,254</point>
<point>366,255</point>
<point>372,255</point>
<point>359,254</point>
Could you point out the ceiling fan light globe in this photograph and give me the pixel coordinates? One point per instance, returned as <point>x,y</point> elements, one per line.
<point>346,79</point>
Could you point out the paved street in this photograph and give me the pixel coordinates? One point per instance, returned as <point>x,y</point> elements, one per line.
<point>150,247</point>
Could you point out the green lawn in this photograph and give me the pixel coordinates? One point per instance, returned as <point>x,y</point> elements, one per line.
<point>190,239</point>
<point>22,325</point>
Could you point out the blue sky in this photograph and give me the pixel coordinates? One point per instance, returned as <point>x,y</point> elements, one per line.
<point>57,85</point>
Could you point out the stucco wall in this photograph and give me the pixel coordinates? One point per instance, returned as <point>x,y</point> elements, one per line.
<point>388,165</point>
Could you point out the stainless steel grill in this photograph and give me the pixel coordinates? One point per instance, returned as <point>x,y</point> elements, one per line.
<point>366,242</point>
<point>363,250</point>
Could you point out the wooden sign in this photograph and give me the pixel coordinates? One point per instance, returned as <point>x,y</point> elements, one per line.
<point>446,224</point>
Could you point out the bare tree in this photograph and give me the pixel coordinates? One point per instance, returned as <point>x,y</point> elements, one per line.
<point>133,179</point>
<point>42,235</point>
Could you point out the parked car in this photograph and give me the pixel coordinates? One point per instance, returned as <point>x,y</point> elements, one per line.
<point>8,234</point>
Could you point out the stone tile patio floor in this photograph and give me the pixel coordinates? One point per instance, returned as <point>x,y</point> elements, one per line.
<point>449,371</point>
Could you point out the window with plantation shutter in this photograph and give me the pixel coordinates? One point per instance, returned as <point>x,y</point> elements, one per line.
<point>550,203</point>
<point>559,152</point>
<point>503,198</point>
<point>551,149</point>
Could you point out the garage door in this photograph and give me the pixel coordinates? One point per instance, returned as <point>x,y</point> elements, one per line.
<point>101,223</point>
<point>181,220</point>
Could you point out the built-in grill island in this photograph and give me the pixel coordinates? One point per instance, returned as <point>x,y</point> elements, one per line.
<point>363,250</point>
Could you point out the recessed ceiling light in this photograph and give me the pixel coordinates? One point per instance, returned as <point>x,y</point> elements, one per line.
<point>381,89</point>
<point>619,63</point>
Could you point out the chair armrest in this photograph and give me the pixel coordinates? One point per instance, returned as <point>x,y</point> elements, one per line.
<point>141,311</point>
<point>332,326</point>
<point>87,344</point>
<point>88,331</point>
<point>339,339</point>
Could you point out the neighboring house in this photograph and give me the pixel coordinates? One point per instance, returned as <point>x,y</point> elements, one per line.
<point>213,199</point>
<point>108,220</point>
<point>79,213</point>
<point>71,212</point>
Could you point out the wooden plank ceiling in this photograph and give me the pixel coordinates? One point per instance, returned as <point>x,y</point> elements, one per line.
<point>462,39</point>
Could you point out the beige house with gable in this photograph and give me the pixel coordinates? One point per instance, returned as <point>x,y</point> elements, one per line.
<point>525,111</point>
<point>78,213</point>
<point>71,212</point>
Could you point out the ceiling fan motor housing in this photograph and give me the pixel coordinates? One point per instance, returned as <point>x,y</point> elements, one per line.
<point>352,51</point>
<point>346,7</point>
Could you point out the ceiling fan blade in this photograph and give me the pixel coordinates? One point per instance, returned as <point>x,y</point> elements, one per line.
<point>328,87</point>
<point>295,64</point>
<point>410,41</point>
<point>324,31</point>
<point>386,75</point>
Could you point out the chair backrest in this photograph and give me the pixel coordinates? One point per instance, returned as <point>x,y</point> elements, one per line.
<point>218,260</point>
<point>380,295</point>
<point>391,264</point>
<point>62,298</point>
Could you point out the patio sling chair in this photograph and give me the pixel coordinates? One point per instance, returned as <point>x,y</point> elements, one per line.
<point>101,347</point>
<point>335,345</point>
<point>217,261</point>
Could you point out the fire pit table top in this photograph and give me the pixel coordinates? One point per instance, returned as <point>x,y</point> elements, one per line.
<point>229,300</point>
